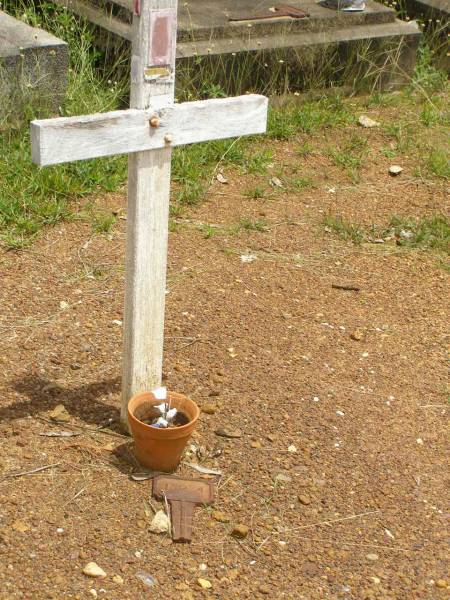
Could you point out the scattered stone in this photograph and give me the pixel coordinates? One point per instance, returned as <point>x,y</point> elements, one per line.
<point>441,583</point>
<point>275,182</point>
<point>146,578</point>
<point>214,393</point>
<point>182,587</point>
<point>221,179</point>
<point>420,441</point>
<point>93,570</point>
<point>208,408</point>
<point>228,433</point>
<point>271,437</point>
<point>310,568</point>
<point>357,335</point>
<point>59,414</point>
<point>305,500</point>
<point>247,258</point>
<point>63,305</point>
<point>264,589</point>
<point>93,592</point>
<point>255,444</point>
<point>375,580</point>
<point>160,523</point>
<point>20,526</point>
<point>395,170</point>
<point>367,122</point>
<point>292,448</point>
<point>282,478</point>
<point>118,579</point>
<point>219,516</point>
<point>372,556</point>
<point>204,583</point>
<point>240,531</point>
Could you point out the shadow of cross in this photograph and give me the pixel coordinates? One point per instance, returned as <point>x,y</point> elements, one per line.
<point>147,132</point>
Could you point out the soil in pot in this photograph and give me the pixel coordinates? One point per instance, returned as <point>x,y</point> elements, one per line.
<point>179,420</point>
<point>160,449</point>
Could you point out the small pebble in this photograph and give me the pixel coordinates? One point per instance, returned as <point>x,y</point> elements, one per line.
<point>93,593</point>
<point>357,335</point>
<point>93,570</point>
<point>118,579</point>
<point>395,170</point>
<point>375,580</point>
<point>204,583</point>
<point>208,408</point>
<point>305,500</point>
<point>292,448</point>
<point>372,556</point>
<point>441,583</point>
<point>219,516</point>
<point>264,589</point>
<point>240,531</point>
<point>255,444</point>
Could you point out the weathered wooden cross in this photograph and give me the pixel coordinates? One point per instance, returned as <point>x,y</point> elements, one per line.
<point>147,132</point>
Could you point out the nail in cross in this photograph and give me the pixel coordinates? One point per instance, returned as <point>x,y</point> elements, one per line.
<point>147,132</point>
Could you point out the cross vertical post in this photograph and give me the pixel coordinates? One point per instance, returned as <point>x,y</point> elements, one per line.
<point>152,82</point>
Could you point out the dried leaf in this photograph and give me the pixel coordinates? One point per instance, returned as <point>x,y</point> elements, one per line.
<point>64,434</point>
<point>201,469</point>
<point>145,476</point>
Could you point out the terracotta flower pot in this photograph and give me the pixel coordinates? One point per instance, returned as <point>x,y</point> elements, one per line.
<point>160,449</point>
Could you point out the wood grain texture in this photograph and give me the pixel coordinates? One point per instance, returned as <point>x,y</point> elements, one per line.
<point>123,132</point>
<point>147,221</point>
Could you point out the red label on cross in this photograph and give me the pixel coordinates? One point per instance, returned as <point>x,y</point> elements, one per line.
<point>161,37</point>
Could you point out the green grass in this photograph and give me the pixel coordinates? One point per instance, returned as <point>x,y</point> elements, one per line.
<point>32,198</point>
<point>427,233</point>
<point>438,163</point>
<point>251,225</point>
<point>255,192</point>
<point>346,230</point>
<point>350,155</point>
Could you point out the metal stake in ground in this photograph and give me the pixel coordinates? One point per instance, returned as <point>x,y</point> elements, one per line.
<point>147,132</point>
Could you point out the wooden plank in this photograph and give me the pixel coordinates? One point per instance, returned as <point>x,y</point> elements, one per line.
<point>97,16</point>
<point>121,132</point>
<point>147,217</point>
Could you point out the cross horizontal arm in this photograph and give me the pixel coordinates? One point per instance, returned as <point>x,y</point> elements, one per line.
<point>125,131</point>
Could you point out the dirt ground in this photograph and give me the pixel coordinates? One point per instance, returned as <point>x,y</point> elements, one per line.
<point>341,471</point>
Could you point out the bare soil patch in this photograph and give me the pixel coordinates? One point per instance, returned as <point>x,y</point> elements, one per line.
<point>341,471</point>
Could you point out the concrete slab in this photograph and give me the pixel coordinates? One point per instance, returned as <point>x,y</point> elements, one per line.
<point>33,67</point>
<point>204,28</point>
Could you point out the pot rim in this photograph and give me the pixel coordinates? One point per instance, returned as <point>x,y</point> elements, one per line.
<point>151,398</point>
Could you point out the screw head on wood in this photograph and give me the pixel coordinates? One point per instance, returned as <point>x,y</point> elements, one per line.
<point>154,122</point>
<point>168,138</point>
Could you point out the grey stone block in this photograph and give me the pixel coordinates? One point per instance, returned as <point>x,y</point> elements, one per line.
<point>33,68</point>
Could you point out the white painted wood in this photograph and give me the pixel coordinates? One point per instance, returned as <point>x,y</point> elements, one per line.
<point>122,132</point>
<point>149,148</point>
<point>147,219</point>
